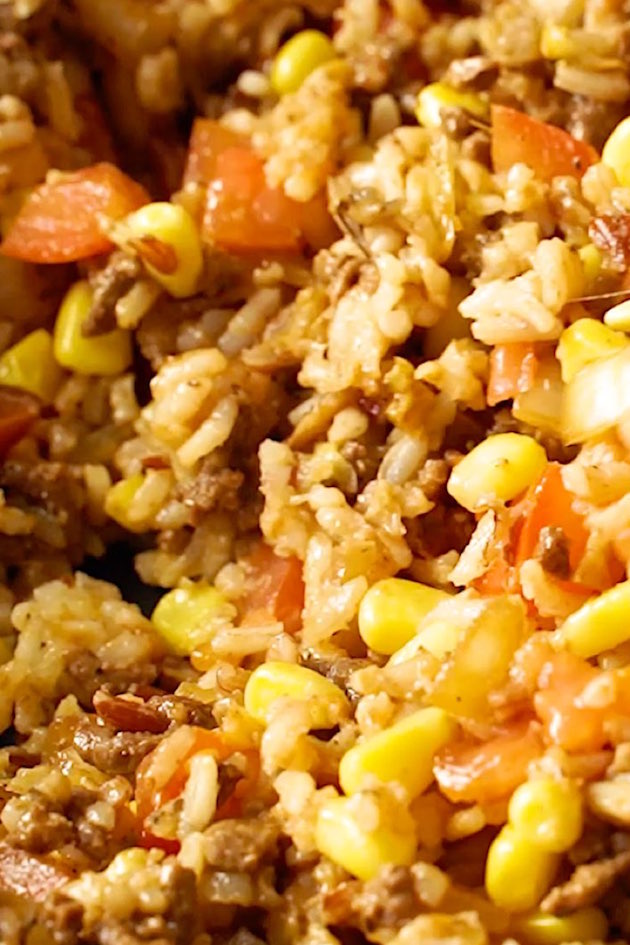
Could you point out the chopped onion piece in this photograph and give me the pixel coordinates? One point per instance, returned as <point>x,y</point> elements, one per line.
<point>541,404</point>
<point>597,398</point>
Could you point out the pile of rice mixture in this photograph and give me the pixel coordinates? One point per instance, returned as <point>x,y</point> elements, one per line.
<point>314,472</point>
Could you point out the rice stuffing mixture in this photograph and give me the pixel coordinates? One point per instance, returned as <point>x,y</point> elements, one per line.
<point>315,344</point>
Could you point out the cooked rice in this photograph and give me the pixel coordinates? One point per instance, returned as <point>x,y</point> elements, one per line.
<point>283,441</point>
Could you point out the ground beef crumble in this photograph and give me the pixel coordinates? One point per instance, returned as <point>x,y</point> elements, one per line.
<point>554,552</point>
<point>586,885</point>
<point>109,285</point>
<point>212,489</point>
<point>109,750</point>
<point>386,902</point>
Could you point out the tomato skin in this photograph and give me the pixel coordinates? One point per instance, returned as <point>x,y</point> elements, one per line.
<point>58,221</point>
<point>512,371</point>
<point>150,799</point>
<point>549,503</point>
<point>549,151</point>
<point>575,727</point>
<point>276,588</point>
<point>207,140</point>
<point>242,213</point>
<point>318,227</point>
<point>483,773</point>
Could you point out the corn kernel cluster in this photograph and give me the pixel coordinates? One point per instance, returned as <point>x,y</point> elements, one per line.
<point>545,820</point>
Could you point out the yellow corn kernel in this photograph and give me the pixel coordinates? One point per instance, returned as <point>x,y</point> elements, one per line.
<point>101,354</point>
<point>599,624</point>
<point>616,152</point>
<point>436,96</point>
<point>438,637</point>
<point>403,754</point>
<point>518,873</point>
<point>392,610</point>
<point>119,498</point>
<point>275,680</point>
<point>30,365</point>
<point>548,812</point>
<point>340,835</point>
<point>591,260</point>
<point>126,863</point>
<point>299,56</point>
<point>619,316</point>
<point>586,341</point>
<point>556,42</point>
<point>540,928</point>
<point>500,468</point>
<point>166,238</point>
<point>184,616</point>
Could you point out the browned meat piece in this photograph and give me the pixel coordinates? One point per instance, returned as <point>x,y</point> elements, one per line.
<point>53,484</point>
<point>591,120</point>
<point>183,913</point>
<point>338,669</point>
<point>241,845</point>
<point>41,828</point>
<point>440,530</point>
<point>86,676</point>
<point>388,901</point>
<point>212,489</point>
<point>179,924</point>
<point>110,751</point>
<point>59,489</point>
<point>28,875</point>
<point>63,918</point>
<point>433,476</point>
<point>128,715</point>
<point>41,824</point>
<point>587,884</point>
<point>110,284</point>
<point>153,716</point>
<point>554,552</point>
<point>611,233</point>
<point>182,711</point>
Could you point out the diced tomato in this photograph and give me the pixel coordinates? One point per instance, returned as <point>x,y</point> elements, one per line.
<point>207,140</point>
<point>482,773</point>
<point>318,227</point>
<point>549,151</point>
<point>150,798</point>
<point>243,214</point>
<point>276,588</point>
<point>547,504</point>
<point>512,371</point>
<point>550,504</point>
<point>575,727</point>
<point>18,411</point>
<point>58,222</point>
